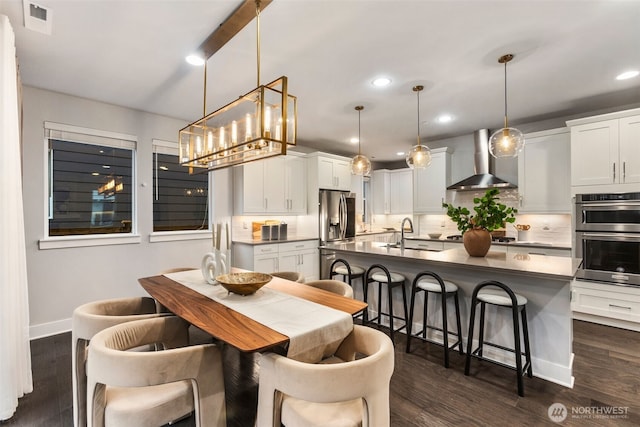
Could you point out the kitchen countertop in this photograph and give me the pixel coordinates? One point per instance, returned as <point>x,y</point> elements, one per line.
<point>512,243</point>
<point>532,265</point>
<point>268,242</point>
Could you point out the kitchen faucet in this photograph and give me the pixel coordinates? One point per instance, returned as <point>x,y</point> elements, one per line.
<point>402,230</point>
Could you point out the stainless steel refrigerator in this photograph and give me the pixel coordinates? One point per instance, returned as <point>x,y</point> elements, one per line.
<point>337,216</point>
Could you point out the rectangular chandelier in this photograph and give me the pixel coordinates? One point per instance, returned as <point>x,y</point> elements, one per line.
<point>256,126</point>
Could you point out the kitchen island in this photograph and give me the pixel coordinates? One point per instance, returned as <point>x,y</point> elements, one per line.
<point>543,280</point>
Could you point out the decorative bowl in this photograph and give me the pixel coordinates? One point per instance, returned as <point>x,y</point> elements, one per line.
<point>435,235</point>
<point>243,283</point>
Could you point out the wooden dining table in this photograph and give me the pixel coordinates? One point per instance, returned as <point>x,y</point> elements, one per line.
<point>227,324</point>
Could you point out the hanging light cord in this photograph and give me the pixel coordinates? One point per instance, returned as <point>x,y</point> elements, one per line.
<point>204,101</point>
<point>359,110</point>
<point>506,124</point>
<point>418,93</point>
<point>258,38</point>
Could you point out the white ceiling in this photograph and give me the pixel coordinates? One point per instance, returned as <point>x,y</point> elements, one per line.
<point>131,53</point>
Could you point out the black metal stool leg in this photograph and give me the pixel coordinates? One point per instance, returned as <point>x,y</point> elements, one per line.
<point>458,323</point>
<point>445,329</point>
<point>410,325</point>
<point>390,299</point>
<point>481,328</point>
<point>472,319</point>
<point>525,333</point>
<point>425,315</point>
<point>518,351</point>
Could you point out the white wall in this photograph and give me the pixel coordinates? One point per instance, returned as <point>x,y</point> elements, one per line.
<point>62,279</point>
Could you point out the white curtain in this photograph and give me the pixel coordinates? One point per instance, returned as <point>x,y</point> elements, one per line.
<point>15,354</point>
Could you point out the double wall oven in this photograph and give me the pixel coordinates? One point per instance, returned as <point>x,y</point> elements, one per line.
<point>608,237</point>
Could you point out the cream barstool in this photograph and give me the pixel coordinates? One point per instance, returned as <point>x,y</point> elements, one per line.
<point>501,297</point>
<point>381,275</point>
<point>349,273</point>
<point>429,282</point>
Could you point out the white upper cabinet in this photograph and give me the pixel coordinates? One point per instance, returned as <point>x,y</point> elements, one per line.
<point>595,153</point>
<point>630,148</point>
<point>401,187</point>
<point>430,184</point>
<point>392,191</point>
<point>605,152</point>
<point>275,185</point>
<point>543,175</point>
<point>334,174</point>
<point>295,185</point>
<point>380,190</point>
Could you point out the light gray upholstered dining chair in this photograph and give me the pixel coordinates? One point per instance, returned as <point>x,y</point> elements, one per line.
<point>89,319</point>
<point>335,286</point>
<point>342,391</point>
<point>294,276</point>
<point>147,388</point>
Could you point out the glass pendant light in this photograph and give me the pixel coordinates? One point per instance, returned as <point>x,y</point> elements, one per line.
<point>420,155</point>
<point>506,142</point>
<point>360,165</point>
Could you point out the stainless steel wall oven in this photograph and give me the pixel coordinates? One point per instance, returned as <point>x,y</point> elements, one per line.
<point>608,237</point>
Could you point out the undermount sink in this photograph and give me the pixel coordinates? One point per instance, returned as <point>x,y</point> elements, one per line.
<point>397,246</point>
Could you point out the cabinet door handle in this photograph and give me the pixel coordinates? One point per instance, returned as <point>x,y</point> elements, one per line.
<point>266,203</point>
<point>614,172</point>
<point>619,306</point>
<point>624,171</point>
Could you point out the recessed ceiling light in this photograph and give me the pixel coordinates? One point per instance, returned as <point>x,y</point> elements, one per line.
<point>195,59</point>
<point>400,153</point>
<point>628,75</point>
<point>106,167</point>
<point>381,81</point>
<point>354,140</point>
<point>95,173</point>
<point>164,168</point>
<point>445,118</point>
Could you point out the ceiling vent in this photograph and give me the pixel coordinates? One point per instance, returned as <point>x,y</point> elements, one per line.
<point>37,18</point>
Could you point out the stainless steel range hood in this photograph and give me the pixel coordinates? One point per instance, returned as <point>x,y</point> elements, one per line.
<point>483,167</point>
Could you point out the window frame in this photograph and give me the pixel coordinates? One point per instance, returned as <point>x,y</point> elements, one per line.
<point>90,136</point>
<point>168,147</point>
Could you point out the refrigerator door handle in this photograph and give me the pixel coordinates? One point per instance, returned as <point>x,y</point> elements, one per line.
<point>343,216</point>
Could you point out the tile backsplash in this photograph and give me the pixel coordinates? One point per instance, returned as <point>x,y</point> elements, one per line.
<point>547,228</point>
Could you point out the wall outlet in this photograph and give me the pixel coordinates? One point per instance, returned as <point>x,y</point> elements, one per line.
<point>545,226</point>
<point>245,226</point>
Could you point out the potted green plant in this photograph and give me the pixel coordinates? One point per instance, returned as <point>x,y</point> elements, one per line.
<point>489,215</point>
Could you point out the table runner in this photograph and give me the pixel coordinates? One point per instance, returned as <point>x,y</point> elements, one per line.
<point>314,330</point>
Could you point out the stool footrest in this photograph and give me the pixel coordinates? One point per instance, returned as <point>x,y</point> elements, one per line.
<point>501,347</point>
<point>451,346</point>
<point>525,367</point>
<point>379,317</point>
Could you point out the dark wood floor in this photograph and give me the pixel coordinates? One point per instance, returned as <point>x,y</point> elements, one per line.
<point>423,392</point>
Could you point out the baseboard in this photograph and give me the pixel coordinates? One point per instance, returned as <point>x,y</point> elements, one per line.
<point>607,321</point>
<point>51,328</point>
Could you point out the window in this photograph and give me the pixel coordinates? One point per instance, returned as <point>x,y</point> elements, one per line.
<point>180,199</point>
<point>91,181</point>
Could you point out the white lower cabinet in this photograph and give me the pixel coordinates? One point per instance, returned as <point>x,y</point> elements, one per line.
<point>301,256</point>
<point>608,304</point>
